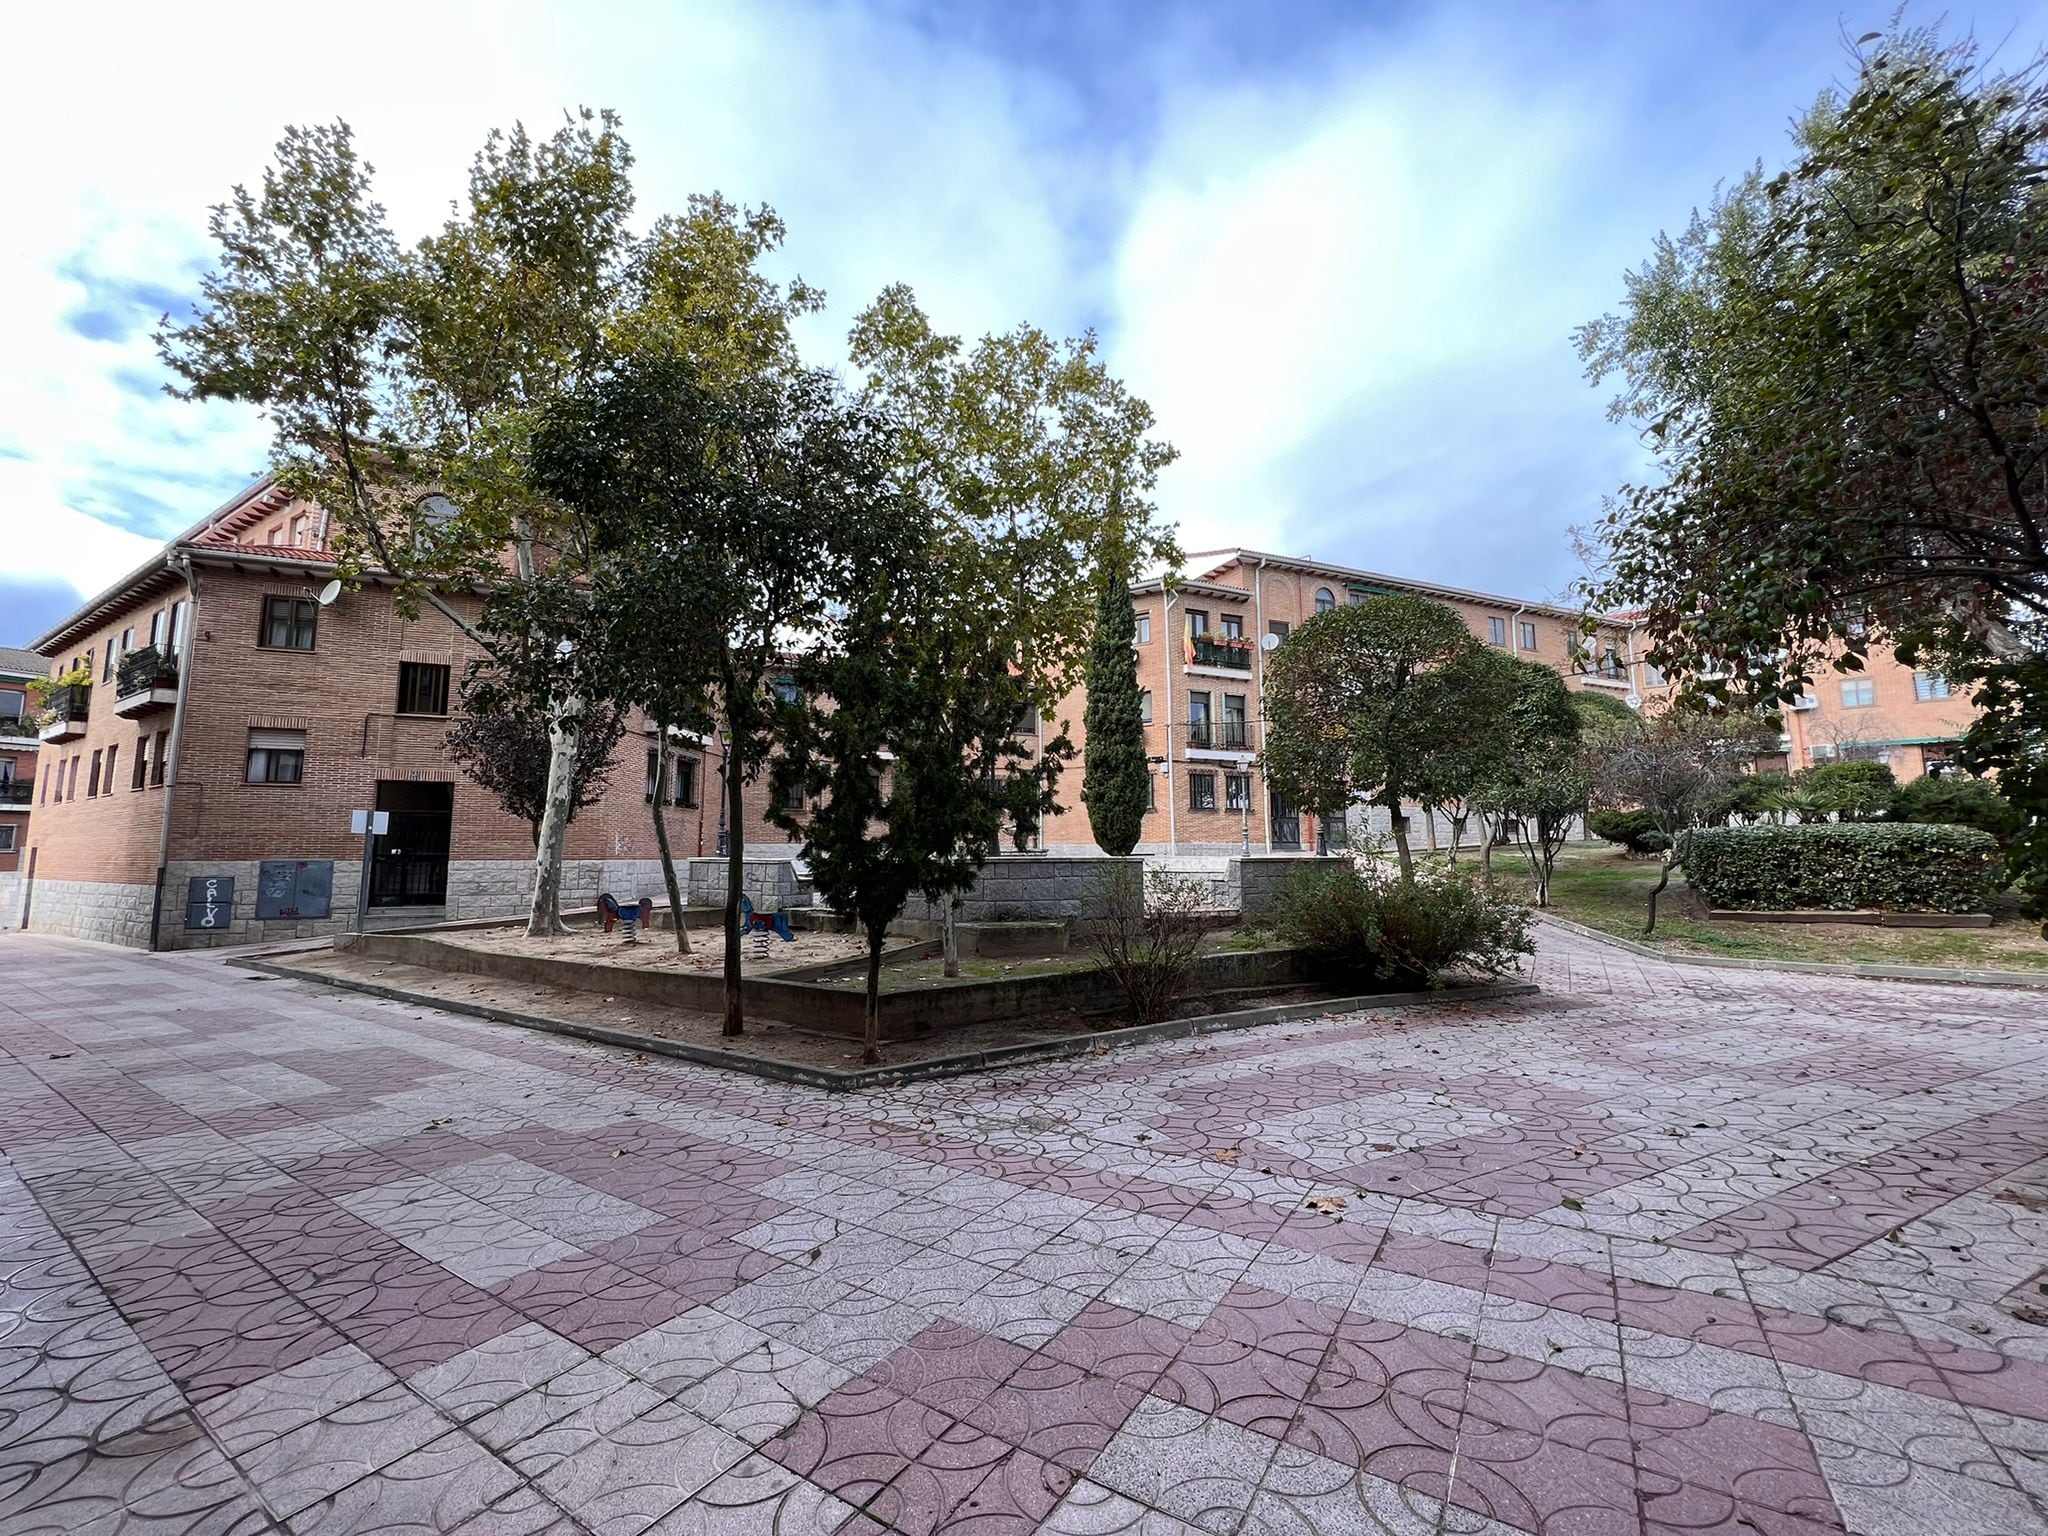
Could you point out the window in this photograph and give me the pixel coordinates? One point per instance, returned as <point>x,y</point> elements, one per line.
<point>1526,633</point>
<point>92,778</point>
<point>13,703</point>
<point>276,757</point>
<point>1278,628</point>
<point>1144,629</point>
<point>1233,626</point>
<point>43,787</point>
<point>1325,600</point>
<point>277,533</point>
<point>7,837</point>
<point>178,612</point>
<point>685,784</point>
<point>107,662</point>
<point>422,688</point>
<point>288,623</point>
<point>1858,693</point>
<point>156,627</point>
<point>1926,686</point>
<point>299,529</point>
<point>71,781</point>
<point>786,690</point>
<point>1497,631</point>
<point>160,760</point>
<point>1199,734</point>
<point>794,797</point>
<point>1233,722</point>
<point>1145,705</point>
<point>1201,791</point>
<point>1198,621</point>
<point>1151,790</point>
<point>1653,677</point>
<point>1237,792</point>
<point>141,763</point>
<point>113,757</point>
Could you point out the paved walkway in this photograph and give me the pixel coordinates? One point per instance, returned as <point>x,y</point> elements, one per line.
<point>1666,1250</point>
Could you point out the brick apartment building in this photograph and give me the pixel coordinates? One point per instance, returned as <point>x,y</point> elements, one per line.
<point>18,747</point>
<point>231,723</point>
<point>1908,718</point>
<point>1202,653</point>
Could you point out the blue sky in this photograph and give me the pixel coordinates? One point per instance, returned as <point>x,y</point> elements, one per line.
<point>1340,247</point>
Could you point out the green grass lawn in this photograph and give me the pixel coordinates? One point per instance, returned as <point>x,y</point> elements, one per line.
<point>1598,886</point>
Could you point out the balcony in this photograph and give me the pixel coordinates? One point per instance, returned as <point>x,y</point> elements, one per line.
<point>17,792</point>
<point>145,681</point>
<point>64,713</point>
<point>16,727</point>
<point>1217,651</point>
<point>1217,736</point>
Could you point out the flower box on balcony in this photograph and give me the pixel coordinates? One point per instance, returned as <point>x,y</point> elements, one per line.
<point>64,712</point>
<point>146,680</point>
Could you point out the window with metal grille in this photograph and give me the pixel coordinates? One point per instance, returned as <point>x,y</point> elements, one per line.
<point>1201,791</point>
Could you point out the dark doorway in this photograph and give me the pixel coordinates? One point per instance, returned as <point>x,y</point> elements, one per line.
<point>1286,824</point>
<point>409,863</point>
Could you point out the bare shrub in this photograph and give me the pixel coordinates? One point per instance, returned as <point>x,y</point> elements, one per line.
<point>1151,938</point>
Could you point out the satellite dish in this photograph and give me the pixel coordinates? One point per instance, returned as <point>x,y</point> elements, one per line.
<point>329,593</point>
<point>1270,642</point>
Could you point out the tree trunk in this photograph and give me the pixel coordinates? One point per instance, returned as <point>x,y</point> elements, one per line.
<point>1457,837</point>
<point>1401,854</point>
<point>1429,827</point>
<point>545,916</point>
<point>871,1025</point>
<point>1663,879</point>
<point>950,926</point>
<point>1486,830</point>
<point>735,876</point>
<point>668,859</point>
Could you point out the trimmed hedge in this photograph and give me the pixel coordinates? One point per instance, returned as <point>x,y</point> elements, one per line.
<point>1636,831</point>
<point>1842,866</point>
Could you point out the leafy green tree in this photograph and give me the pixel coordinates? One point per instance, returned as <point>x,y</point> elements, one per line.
<point>388,375</point>
<point>1839,369</point>
<point>502,744</point>
<point>1116,776</point>
<point>904,742</point>
<point>1677,767</point>
<point>1538,780</point>
<point>1038,466</point>
<point>1360,702</point>
<point>720,511</point>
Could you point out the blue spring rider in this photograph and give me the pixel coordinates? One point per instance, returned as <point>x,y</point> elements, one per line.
<point>761,924</point>
<point>632,915</point>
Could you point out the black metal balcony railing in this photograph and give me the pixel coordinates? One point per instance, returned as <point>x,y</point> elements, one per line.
<point>17,791</point>
<point>1224,735</point>
<point>71,702</point>
<point>1216,651</point>
<point>145,669</point>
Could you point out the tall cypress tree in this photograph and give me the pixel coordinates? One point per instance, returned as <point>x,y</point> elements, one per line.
<point>1115,773</point>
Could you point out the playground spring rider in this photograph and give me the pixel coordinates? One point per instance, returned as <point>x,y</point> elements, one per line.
<point>634,915</point>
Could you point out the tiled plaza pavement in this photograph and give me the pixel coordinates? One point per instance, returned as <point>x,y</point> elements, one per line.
<point>1666,1250</point>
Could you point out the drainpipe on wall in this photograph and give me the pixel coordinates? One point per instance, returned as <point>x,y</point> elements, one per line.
<point>181,561</point>
<point>1259,662</point>
<point>1170,640</point>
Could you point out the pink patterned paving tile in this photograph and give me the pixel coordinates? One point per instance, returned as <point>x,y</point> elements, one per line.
<point>593,1302</point>
<point>856,1446</point>
<point>1746,1463</point>
<point>1110,1341</point>
<point>950,1367</point>
<point>1056,1411</point>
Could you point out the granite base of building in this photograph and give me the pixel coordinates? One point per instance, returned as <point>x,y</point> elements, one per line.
<point>11,887</point>
<point>92,909</point>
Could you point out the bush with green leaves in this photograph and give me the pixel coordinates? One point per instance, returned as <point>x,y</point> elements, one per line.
<point>1842,866</point>
<point>1852,790</point>
<point>1368,926</point>
<point>1958,802</point>
<point>1636,831</point>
